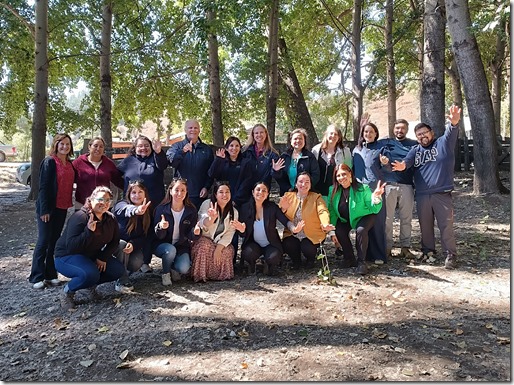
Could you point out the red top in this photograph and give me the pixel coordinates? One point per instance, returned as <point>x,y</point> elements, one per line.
<point>65,179</point>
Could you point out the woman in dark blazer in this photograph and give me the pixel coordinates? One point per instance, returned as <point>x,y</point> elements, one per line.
<point>261,237</point>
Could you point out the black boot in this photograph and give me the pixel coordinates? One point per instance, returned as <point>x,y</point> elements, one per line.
<point>348,262</point>
<point>362,267</point>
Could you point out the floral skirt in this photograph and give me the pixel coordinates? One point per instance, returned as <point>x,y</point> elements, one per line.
<point>204,267</point>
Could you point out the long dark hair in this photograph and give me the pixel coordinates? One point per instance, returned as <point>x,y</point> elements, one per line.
<point>361,140</point>
<point>132,222</point>
<point>168,199</point>
<point>132,149</point>
<point>252,206</point>
<point>229,208</point>
<point>229,140</point>
<point>335,184</point>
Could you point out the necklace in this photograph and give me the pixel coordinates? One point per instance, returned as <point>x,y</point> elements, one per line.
<point>346,195</point>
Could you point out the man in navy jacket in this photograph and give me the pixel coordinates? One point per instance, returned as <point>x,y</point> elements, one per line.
<point>433,161</point>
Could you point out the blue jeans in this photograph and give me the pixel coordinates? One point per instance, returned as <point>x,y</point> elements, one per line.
<point>43,266</point>
<point>168,253</point>
<point>84,273</point>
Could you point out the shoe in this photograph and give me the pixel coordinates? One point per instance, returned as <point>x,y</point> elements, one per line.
<point>67,299</point>
<point>259,266</point>
<point>426,256</point>
<point>265,268</point>
<point>39,285</point>
<point>175,276</point>
<point>251,269</point>
<point>53,282</point>
<point>362,268</point>
<point>451,261</point>
<point>93,294</point>
<point>348,262</point>
<point>123,287</point>
<point>145,268</point>
<point>166,279</point>
<point>379,261</point>
<point>406,253</point>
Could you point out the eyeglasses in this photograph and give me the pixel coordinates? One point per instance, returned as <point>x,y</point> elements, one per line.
<point>103,200</point>
<point>143,146</point>
<point>135,181</point>
<point>178,179</point>
<point>422,134</point>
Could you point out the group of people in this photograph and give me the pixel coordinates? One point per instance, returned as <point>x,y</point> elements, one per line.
<point>219,197</point>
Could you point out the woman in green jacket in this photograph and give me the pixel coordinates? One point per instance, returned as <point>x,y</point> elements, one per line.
<point>352,205</point>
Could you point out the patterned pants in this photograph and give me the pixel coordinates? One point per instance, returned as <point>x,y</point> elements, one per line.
<point>205,267</point>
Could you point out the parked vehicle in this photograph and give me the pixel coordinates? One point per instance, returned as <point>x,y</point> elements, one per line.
<point>6,150</point>
<point>23,173</point>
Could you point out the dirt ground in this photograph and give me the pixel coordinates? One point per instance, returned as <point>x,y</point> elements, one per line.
<point>405,321</point>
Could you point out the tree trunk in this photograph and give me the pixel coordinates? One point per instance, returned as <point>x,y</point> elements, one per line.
<point>415,7</point>
<point>478,100</point>
<point>214,81</point>
<point>272,73</point>
<point>391,70</point>
<point>105,78</point>
<point>357,88</point>
<point>432,87</point>
<point>496,68</point>
<point>296,108</point>
<point>40,95</point>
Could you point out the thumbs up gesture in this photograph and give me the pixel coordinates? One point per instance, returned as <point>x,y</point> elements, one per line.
<point>163,224</point>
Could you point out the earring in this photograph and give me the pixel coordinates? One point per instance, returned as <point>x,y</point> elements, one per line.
<point>351,180</point>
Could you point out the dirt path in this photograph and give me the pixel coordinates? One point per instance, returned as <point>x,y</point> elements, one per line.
<point>402,322</point>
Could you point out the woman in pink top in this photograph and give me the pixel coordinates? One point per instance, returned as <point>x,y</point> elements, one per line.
<point>56,176</point>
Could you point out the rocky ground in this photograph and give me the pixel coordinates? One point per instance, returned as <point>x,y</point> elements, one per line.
<point>405,321</point>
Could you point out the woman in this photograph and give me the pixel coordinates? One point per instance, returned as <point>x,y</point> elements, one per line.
<point>307,210</point>
<point>352,206</point>
<point>56,177</point>
<point>174,222</point>
<point>368,160</point>
<point>134,221</point>
<point>296,159</point>
<point>94,169</point>
<point>212,253</point>
<point>261,237</point>
<point>263,156</point>
<point>331,152</point>
<point>230,165</point>
<point>145,162</point>
<point>84,251</point>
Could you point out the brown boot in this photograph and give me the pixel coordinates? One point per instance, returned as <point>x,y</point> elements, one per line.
<point>67,299</point>
<point>406,253</point>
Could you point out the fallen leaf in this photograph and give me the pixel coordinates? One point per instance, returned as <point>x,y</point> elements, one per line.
<point>408,372</point>
<point>459,332</point>
<point>389,303</point>
<point>102,329</point>
<point>243,333</point>
<point>167,343</point>
<point>503,340</point>
<point>462,344</point>
<point>399,350</point>
<point>244,365</point>
<point>117,302</point>
<point>123,365</point>
<point>124,354</point>
<point>86,363</point>
<point>22,314</point>
<point>91,347</point>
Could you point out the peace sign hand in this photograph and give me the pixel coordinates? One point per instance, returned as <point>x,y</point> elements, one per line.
<point>212,211</point>
<point>379,190</point>
<point>91,224</point>
<point>163,224</point>
<point>142,209</point>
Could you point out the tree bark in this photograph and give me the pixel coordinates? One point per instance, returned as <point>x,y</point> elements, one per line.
<point>272,73</point>
<point>432,87</point>
<point>391,70</point>
<point>214,81</point>
<point>105,78</point>
<point>496,68</point>
<point>471,70</point>
<point>40,95</point>
<point>296,108</point>
<point>355,60</point>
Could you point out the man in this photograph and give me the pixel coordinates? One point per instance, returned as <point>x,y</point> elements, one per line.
<point>433,161</point>
<point>399,189</point>
<point>191,159</point>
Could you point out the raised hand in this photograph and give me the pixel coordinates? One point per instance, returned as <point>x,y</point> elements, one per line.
<point>299,227</point>
<point>220,152</point>
<point>278,165</point>
<point>142,209</point>
<point>129,248</point>
<point>379,190</point>
<point>212,211</point>
<point>163,224</point>
<point>365,118</point>
<point>284,203</point>
<point>188,147</point>
<point>239,226</point>
<point>197,229</point>
<point>157,146</point>
<point>384,159</point>
<point>91,224</point>
<point>454,114</point>
<point>327,228</point>
<point>398,166</point>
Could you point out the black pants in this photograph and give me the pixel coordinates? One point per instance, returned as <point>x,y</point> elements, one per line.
<point>252,251</point>
<point>294,248</point>
<point>377,238</point>
<point>364,225</point>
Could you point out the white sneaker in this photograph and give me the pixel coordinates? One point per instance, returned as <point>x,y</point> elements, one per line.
<point>123,288</point>
<point>145,268</point>
<point>53,282</point>
<point>39,285</point>
<point>379,262</point>
<point>166,279</point>
<point>175,276</point>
